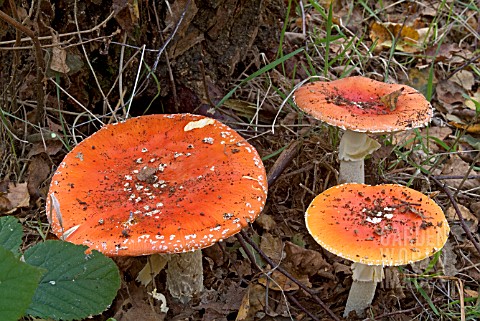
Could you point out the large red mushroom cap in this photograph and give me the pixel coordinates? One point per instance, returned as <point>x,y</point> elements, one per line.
<point>157,184</point>
<point>365,105</point>
<point>377,225</point>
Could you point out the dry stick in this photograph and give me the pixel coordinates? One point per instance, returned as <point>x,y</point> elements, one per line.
<point>465,64</point>
<point>105,99</point>
<point>165,44</point>
<point>40,111</point>
<point>457,210</point>
<point>299,305</point>
<point>474,161</point>
<point>16,57</point>
<point>167,61</point>
<point>442,177</point>
<point>245,237</point>
<point>283,161</point>
<point>242,242</point>
<point>100,25</point>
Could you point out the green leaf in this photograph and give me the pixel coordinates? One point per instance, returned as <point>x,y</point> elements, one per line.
<point>11,233</point>
<point>18,282</point>
<point>76,285</point>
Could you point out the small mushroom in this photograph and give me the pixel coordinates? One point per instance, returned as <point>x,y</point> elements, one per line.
<point>360,106</point>
<point>158,184</point>
<point>375,226</point>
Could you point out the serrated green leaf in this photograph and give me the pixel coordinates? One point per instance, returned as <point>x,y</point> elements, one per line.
<point>76,285</point>
<point>18,282</point>
<point>11,234</point>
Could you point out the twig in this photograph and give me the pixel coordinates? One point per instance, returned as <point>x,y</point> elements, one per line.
<point>16,57</point>
<point>244,235</point>
<point>167,62</point>
<point>40,110</point>
<point>444,177</point>
<point>170,38</point>
<point>463,66</point>
<point>103,23</point>
<point>283,161</point>
<point>163,47</point>
<point>459,213</point>
<point>205,85</point>
<point>105,100</point>
<point>467,173</point>
<point>250,256</point>
<point>301,307</point>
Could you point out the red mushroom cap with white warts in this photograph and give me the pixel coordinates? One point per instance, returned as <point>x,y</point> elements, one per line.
<point>377,225</point>
<point>157,184</point>
<point>365,105</point>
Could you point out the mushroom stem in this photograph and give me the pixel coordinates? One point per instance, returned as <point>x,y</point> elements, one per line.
<point>351,172</point>
<point>353,149</point>
<point>185,275</point>
<point>365,279</point>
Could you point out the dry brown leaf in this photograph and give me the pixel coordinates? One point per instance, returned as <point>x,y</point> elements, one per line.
<point>5,204</point>
<point>472,129</point>
<point>464,79</point>
<point>17,197</point>
<point>407,139</point>
<point>390,100</point>
<point>126,14</point>
<point>444,52</point>
<point>253,301</point>
<point>136,307</point>
<point>470,104</point>
<point>448,92</point>
<point>470,219</point>
<point>449,259</point>
<point>155,264</point>
<point>271,246</point>
<point>266,222</point>
<point>392,281</point>
<point>4,186</point>
<point>307,262</point>
<point>342,268</point>
<point>476,209</point>
<point>454,165</point>
<point>471,293</point>
<point>50,147</point>
<point>410,39</point>
<point>59,57</point>
<point>38,172</point>
<point>278,282</point>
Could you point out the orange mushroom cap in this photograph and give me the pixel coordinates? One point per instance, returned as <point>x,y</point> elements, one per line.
<point>157,184</point>
<point>377,225</point>
<point>365,105</point>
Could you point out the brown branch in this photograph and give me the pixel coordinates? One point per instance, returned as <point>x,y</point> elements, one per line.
<point>243,235</point>
<point>300,306</point>
<point>16,58</point>
<point>442,177</point>
<point>40,112</point>
<point>283,161</point>
<point>250,256</point>
<point>459,213</point>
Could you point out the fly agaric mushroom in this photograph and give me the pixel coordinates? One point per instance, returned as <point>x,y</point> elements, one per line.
<point>361,105</point>
<point>158,184</point>
<point>375,226</point>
